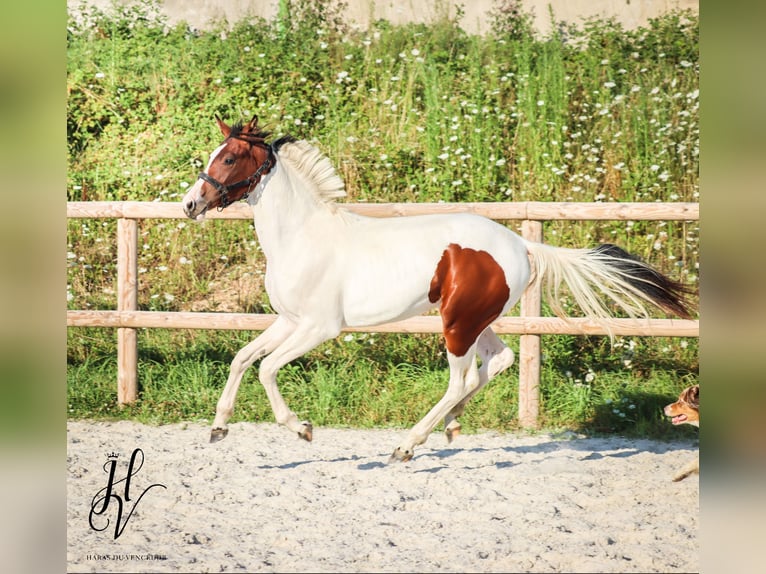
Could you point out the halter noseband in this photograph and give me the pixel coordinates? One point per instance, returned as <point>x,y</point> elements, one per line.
<point>250,182</point>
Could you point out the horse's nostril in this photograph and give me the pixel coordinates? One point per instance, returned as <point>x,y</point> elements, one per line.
<point>190,206</point>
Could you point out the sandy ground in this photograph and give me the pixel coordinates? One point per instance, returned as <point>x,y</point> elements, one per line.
<point>264,501</point>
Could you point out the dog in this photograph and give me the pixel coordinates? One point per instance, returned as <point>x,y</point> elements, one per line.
<point>686,410</point>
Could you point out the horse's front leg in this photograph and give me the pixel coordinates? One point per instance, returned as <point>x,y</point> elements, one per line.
<point>301,341</point>
<point>464,378</point>
<point>264,344</point>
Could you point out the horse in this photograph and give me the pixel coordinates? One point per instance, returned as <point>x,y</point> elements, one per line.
<point>328,268</point>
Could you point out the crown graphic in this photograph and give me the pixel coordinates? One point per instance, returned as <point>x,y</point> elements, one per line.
<point>112,455</point>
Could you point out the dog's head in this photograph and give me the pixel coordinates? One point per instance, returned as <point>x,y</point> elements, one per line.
<point>686,410</point>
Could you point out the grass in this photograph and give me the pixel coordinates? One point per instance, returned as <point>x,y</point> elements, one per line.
<point>407,113</point>
<point>387,380</point>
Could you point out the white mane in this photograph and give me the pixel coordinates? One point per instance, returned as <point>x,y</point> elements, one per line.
<point>315,167</point>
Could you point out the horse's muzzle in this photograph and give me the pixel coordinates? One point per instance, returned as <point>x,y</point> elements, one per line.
<point>189,207</point>
<point>194,209</point>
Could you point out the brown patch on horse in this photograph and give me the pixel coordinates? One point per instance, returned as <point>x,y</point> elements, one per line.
<point>473,291</point>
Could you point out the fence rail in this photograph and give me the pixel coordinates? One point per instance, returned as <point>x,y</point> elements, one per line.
<point>529,324</point>
<point>524,210</point>
<point>422,324</point>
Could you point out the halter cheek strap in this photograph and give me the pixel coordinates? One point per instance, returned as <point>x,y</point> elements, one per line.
<point>250,182</point>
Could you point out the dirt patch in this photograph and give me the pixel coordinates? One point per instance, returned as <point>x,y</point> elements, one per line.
<point>239,289</point>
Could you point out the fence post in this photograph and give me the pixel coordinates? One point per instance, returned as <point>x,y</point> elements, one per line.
<point>529,345</point>
<point>127,300</point>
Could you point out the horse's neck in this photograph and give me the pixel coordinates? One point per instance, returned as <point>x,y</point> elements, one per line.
<point>285,208</point>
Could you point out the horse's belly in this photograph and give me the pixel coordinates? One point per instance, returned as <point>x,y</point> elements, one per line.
<point>384,295</point>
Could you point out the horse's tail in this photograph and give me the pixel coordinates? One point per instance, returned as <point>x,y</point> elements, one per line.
<point>605,270</point>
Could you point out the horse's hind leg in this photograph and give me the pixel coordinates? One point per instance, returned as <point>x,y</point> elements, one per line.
<point>260,347</point>
<point>495,358</point>
<point>473,291</point>
<point>464,377</point>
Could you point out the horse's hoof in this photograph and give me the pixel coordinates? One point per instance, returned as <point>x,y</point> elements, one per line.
<point>307,432</point>
<point>452,433</point>
<point>400,455</point>
<point>218,434</point>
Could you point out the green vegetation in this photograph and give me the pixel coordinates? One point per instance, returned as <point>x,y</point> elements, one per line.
<point>406,113</point>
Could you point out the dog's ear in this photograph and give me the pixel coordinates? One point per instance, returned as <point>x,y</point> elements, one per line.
<point>694,396</point>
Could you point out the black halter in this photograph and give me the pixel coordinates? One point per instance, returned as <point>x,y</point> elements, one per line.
<point>250,182</point>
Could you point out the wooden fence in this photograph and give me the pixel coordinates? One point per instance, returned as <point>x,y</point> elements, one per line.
<point>529,324</point>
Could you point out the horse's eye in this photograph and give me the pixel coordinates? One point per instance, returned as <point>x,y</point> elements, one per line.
<point>228,161</point>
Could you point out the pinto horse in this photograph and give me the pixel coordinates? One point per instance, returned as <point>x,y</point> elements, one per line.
<point>328,268</point>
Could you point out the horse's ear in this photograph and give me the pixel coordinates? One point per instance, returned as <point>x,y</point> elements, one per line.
<point>225,130</point>
<point>253,125</point>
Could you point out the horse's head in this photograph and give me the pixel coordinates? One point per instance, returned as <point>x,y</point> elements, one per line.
<point>234,169</point>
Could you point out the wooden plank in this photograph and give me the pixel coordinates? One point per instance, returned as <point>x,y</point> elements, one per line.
<point>421,324</point>
<point>575,211</point>
<point>127,301</point>
<point>537,210</point>
<point>529,344</point>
